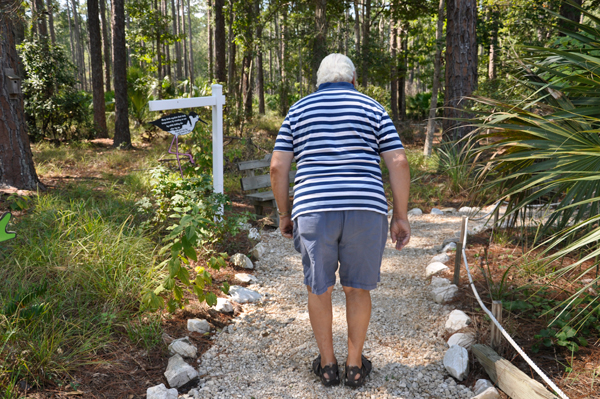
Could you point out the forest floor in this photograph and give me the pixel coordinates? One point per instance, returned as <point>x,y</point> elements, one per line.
<point>124,369</point>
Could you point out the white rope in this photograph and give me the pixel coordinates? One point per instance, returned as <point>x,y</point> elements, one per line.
<point>533,206</point>
<point>508,337</point>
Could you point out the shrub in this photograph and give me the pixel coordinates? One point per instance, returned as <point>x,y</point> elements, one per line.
<point>54,109</point>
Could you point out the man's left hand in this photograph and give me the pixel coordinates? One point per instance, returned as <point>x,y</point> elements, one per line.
<point>286,225</point>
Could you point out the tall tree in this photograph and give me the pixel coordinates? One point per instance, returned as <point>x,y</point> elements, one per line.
<point>50,9</point>
<point>40,19</point>
<point>96,65</point>
<point>209,27</point>
<point>157,21</point>
<point>122,138</point>
<point>394,66</point>
<point>190,37</point>
<point>366,42</point>
<point>177,42</point>
<point>320,40</point>
<point>493,50</point>
<point>260,78</point>
<point>283,94</point>
<point>248,49</point>
<point>402,70</point>
<point>437,67</point>
<point>357,61</point>
<point>461,64</point>
<point>105,45</point>
<point>183,30</point>
<point>569,12</point>
<point>220,46</point>
<point>16,161</point>
<point>232,51</point>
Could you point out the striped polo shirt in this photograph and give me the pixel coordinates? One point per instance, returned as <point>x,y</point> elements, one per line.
<point>337,135</point>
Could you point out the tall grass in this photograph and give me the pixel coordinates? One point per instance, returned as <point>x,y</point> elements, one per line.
<point>85,247</point>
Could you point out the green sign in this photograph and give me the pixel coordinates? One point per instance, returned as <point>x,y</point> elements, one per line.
<point>4,234</point>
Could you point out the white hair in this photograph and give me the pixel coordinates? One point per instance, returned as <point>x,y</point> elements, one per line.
<point>335,68</point>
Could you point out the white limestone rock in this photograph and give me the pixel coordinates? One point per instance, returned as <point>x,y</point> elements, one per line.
<point>243,295</point>
<point>246,278</point>
<point>161,392</point>
<point>462,339</point>
<point>439,282</point>
<point>183,347</point>
<point>223,305</point>
<point>456,362</point>
<point>442,258</point>
<point>481,385</point>
<point>415,212</point>
<point>198,325</point>
<point>457,320</point>
<point>444,294</point>
<point>253,234</point>
<point>435,268</point>
<point>448,210</point>
<point>241,260</point>
<point>436,211</point>
<point>451,246</point>
<point>259,250</point>
<point>490,393</point>
<point>245,226</point>
<point>179,372</point>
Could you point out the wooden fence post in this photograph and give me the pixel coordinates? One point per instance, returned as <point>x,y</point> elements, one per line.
<point>496,335</point>
<point>459,248</point>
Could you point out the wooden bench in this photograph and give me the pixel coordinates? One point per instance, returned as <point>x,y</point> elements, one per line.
<point>252,183</point>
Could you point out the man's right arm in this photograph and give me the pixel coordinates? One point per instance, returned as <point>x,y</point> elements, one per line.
<point>397,165</point>
<point>281,163</point>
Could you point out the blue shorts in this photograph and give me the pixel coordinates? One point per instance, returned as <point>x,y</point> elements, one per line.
<point>355,239</point>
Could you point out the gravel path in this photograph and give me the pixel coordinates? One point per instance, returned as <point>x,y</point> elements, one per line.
<point>267,353</point>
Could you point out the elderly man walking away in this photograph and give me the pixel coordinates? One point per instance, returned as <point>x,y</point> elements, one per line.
<point>337,136</point>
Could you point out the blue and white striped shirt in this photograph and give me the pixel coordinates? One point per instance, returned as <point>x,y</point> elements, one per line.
<point>337,135</point>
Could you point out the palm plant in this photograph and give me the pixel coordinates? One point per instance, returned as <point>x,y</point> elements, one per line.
<point>547,149</point>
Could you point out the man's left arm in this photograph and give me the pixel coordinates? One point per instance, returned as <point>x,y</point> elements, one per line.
<point>281,163</point>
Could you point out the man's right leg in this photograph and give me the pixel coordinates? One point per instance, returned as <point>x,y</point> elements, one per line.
<point>321,319</point>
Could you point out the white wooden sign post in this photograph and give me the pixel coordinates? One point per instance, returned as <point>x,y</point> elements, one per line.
<point>216,101</point>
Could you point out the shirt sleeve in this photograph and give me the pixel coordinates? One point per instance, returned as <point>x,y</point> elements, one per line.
<point>285,141</point>
<point>387,136</point>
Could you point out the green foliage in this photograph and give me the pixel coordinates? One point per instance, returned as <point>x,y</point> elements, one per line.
<point>546,148</point>
<point>53,107</point>
<point>75,272</point>
<point>145,332</point>
<point>456,160</point>
<point>192,214</point>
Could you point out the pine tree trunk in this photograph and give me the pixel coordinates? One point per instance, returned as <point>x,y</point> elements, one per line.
<point>167,50</point>
<point>220,46</point>
<point>191,49</point>
<point>284,88</point>
<point>158,14</point>
<point>320,40</point>
<point>96,64</point>
<point>231,67</point>
<point>40,17</point>
<point>122,137</point>
<point>402,69</point>
<point>493,44</point>
<point>209,26</point>
<point>78,47</point>
<point>73,55</point>
<point>51,21</point>
<point>461,64</point>
<point>177,43</point>
<point>357,61</point>
<point>569,12</point>
<point>366,42</point>
<point>183,29</point>
<point>16,161</point>
<point>394,68</point>
<point>260,77</point>
<point>437,68</point>
<point>105,45</point>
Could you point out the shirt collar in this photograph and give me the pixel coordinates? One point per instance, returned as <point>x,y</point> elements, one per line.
<point>336,85</point>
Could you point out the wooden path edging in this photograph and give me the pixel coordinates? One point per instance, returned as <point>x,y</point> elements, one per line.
<point>508,377</point>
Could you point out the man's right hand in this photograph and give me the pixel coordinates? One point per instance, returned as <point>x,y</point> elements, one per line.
<point>400,232</point>
<point>286,225</point>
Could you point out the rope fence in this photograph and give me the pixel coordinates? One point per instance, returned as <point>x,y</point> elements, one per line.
<point>461,250</point>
